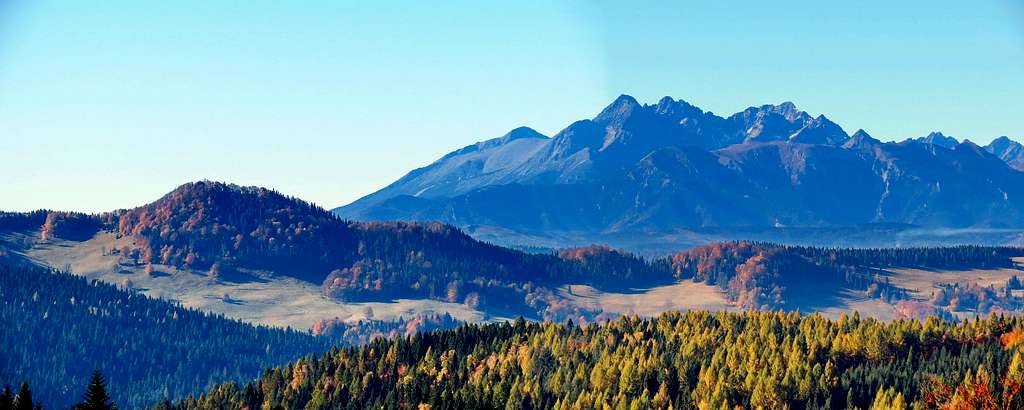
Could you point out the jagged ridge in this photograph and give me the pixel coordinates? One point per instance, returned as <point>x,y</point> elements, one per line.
<point>671,165</point>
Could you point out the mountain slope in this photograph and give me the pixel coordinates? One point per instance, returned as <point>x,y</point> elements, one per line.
<point>1008,150</point>
<point>57,328</point>
<point>638,168</point>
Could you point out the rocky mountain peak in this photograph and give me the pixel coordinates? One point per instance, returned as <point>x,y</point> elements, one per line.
<point>618,110</point>
<point>1010,151</point>
<point>938,138</point>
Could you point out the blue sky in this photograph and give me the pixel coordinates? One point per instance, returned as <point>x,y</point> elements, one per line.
<point>111,104</point>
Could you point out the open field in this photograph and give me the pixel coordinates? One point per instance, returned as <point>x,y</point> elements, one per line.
<point>257,297</point>
<point>266,298</point>
<point>685,295</point>
<point>688,295</point>
<point>850,300</point>
<point>921,282</point>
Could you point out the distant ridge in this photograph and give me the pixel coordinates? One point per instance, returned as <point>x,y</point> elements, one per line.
<point>637,168</point>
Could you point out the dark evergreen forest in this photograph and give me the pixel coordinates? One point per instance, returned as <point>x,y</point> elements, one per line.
<point>59,328</point>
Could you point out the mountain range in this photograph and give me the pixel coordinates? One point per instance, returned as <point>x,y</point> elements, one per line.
<point>670,166</point>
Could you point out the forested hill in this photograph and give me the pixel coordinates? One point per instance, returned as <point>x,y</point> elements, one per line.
<point>207,224</point>
<point>692,360</point>
<point>57,328</point>
<point>220,228</point>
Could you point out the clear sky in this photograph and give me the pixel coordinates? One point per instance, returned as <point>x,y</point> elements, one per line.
<point>109,104</point>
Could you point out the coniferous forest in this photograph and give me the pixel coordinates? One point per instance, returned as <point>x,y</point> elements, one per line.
<point>59,328</point>
<point>754,360</point>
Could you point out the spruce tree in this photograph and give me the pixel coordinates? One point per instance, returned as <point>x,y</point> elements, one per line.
<point>23,401</point>
<point>96,397</point>
<point>6,400</point>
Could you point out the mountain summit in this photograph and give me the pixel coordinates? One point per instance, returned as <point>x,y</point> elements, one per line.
<point>937,138</point>
<point>1008,150</point>
<point>661,167</point>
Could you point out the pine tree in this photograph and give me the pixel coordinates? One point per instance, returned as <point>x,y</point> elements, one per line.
<point>96,397</point>
<point>23,401</point>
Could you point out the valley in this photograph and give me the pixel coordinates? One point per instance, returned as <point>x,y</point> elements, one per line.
<point>295,298</point>
<point>252,296</point>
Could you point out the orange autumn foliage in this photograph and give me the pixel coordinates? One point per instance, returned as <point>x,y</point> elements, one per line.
<point>1012,338</point>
